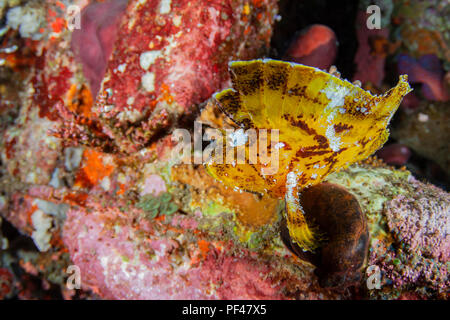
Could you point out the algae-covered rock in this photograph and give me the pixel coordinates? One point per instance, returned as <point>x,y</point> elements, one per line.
<point>409,228</point>
<point>213,236</point>
<point>427,131</point>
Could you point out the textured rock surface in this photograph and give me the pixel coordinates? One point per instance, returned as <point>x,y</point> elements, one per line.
<point>79,204</point>
<point>169,57</point>
<point>395,203</point>
<point>426,131</point>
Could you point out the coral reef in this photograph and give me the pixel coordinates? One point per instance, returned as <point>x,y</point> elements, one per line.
<point>422,27</point>
<point>167,59</point>
<point>388,198</point>
<point>426,131</point>
<point>91,180</point>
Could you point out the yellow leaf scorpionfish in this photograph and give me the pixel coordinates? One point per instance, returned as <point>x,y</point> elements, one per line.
<point>323,124</point>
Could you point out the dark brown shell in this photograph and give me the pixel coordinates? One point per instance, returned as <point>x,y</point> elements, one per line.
<point>337,214</point>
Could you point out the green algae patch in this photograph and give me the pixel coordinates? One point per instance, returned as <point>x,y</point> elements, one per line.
<point>157,205</point>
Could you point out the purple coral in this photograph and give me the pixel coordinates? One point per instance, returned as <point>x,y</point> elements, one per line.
<point>426,70</point>
<point>422,224</point>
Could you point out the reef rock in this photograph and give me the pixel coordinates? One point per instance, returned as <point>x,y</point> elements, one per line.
<point>426,131</point>
<point>171,56</point>
<point>140,226</point>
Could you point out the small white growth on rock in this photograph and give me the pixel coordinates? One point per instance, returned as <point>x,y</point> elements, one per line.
<point>129,114</point>
<point>148,81</point>
<point>130,101</point>
<point>107,108</point>
<point>164,6</point>
<point>53,209</point>
<point>176,21</point>
<point>279,145</point>
<point>56,182</point>
<point>27,20</point>
<point>105,183</point>
<point>121,68</point>
<point>238,138</point>
<point>148,58</point>
<point>42,223</point>
<point>72,158</point>
<point>314,176</point>
<point>422,117</point>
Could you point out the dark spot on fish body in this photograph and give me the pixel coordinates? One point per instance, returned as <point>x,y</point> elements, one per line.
<point>338,128</point>
<point>276,77</point>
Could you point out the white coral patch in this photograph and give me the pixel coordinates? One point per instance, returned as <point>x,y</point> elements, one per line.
<point>28,20</point>
<point>148,58</point>
<point>42,223</point>
<point>129,114</point>
<point>72,158</point>
<point>148,81</point>
<point>164,6</point>
<point>130,101</point>
<point>105,183</point>
<point>176,21</point>
<point>121,68</point>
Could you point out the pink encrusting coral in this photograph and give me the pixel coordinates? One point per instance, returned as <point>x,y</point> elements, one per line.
<point>123,259</point>
<point>315,46</point>
<point>421,251</point>
<point>154,185</point>
<point>424,225</point>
